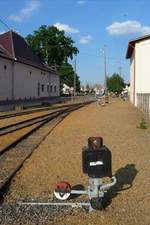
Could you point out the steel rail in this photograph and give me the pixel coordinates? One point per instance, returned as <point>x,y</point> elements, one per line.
<point>11,159</point>
<point>22,124</point>
<point>28,122</point>
<point>9,115</point>
<point>39,124</point>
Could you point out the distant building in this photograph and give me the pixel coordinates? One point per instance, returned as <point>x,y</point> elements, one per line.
<point>67,90</point>
<point>139,54</point>
<point>98,89</point>
<point>22,74</point>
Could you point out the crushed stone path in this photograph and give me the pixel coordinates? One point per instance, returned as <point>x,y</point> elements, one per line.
<point>59,158</point>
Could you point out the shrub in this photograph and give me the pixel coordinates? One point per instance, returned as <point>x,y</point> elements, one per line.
<point>142,124</point>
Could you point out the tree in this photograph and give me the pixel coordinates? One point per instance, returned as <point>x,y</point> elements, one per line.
<point>87,88</point>
<point>67,76</point>
<point>51,45</point>
<point>54,48</point>
<point>115,83</point>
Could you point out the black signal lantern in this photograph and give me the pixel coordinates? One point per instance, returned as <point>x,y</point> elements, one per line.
<point>96,162</point>
<point>95,142</point>
<point>96,159</point>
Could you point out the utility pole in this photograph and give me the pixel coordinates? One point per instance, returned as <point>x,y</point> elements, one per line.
<point>105,66</point>
<point>120,70</point>
<point>74,90</point>
<point>46,55</point>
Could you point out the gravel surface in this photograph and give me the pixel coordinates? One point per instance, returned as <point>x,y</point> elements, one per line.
<point>59,158</point>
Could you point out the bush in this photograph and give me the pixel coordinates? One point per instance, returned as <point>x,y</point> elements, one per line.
<point>142,124</point>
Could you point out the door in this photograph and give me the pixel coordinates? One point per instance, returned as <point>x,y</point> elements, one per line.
<point>38,89</point>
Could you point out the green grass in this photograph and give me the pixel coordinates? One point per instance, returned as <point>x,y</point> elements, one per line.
<point>142,124</point>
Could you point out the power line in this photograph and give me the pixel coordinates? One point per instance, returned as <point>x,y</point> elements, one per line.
<point>5,24</point>
<point>96,55</point>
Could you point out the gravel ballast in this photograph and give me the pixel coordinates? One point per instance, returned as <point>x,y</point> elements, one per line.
<point>59,158</point>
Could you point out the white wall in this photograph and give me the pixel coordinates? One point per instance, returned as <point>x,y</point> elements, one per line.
<point>26,80</point>
<point>132,78</point>
<point>54,81</point>
<point>141,67</point>
<point>5,79</point>
<point>142,64</point>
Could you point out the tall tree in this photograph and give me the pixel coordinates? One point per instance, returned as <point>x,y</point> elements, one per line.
<point>115,83</point>
<point>54,48</point>
<point>67,76</point>
<point>87,88</point>
<point>51,45</point>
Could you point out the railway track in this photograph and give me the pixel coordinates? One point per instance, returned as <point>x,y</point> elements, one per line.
<point>28,122</point>
<point>27,112</point>
<point>24,116</point>
<point>22,138</point>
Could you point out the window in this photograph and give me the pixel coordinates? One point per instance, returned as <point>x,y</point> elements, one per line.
<point>51,88</point>
<point>30,73</point>
<point>47,88</point>
<point>5,67</point>
<point>38,89</point>
<point>55,88</point>
<point>42,87</point>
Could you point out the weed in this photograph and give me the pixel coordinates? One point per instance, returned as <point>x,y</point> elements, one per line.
<point>142,124</point>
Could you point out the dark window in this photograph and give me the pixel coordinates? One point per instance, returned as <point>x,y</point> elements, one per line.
<point>42,87</point>
<point>38,89</point>
<point>30,73</point>
<point>47,88</point>
<point>51,88</point>
<point>55,88</point>
<point>5,67</point>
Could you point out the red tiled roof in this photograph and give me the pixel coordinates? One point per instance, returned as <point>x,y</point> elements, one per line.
<point>131,45</point>
<point>19,50</point>
<point>4,53</point>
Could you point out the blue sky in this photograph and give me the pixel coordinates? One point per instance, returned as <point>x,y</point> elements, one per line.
<point>91,24</point>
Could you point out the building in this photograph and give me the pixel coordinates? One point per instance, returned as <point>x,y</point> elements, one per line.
<point>66,90</point>
<point>98,89</point>
<point>138,52</point>
<point>22,74</point>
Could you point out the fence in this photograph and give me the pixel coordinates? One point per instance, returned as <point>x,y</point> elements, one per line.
<point>143,102</point>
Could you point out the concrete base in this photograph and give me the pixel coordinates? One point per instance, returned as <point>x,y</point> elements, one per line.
<point>21,104</point>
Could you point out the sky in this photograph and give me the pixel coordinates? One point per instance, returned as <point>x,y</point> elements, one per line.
<point>94,25</point>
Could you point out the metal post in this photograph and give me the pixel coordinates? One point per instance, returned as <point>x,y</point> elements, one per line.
<point>12,82</point>
<point>103,51</point>
<point>120,70</point>
<point>74,91</point>
<point>105,68</point>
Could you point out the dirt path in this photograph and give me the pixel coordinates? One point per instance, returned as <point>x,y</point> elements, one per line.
<point>59,158</point>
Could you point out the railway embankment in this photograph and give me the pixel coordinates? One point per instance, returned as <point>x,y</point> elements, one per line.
<point>58,158</point>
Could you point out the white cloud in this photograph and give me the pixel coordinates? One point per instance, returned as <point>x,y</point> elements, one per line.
<point>81,2</point>
<point>26,12</point>
<point>66,28</point>
<point>146,30</point>
<point>127,27</point>
<point>85,39</point>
